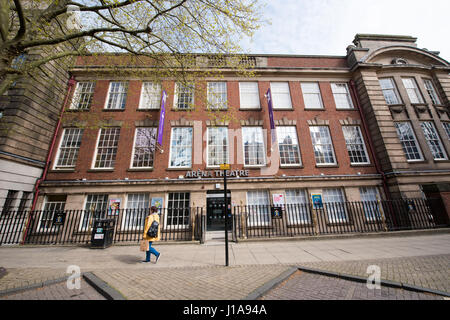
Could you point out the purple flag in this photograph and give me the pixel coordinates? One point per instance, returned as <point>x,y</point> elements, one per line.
<point>161,117</point>
<point>272,122</point>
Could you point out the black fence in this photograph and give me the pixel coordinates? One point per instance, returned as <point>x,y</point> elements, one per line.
<point>338,218</point>
<point>75,226</point>
<point>189,224</point>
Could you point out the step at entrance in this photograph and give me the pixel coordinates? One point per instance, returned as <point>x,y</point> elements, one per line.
<point>217,236</point>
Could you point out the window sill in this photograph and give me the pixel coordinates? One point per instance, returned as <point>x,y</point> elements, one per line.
<point>298,166</point>
<point>361,165</point>
<point>327,166</point>
<point>101,170</point>
<point>113,110</point>
<point>221,109</point>
<point>283,109</point>
<point>441,161</point>
<point>181,110</point>
<point>61,170</point>
<point>346,109</point>
<point>179,169</point>
<point>417,161</point>
<point>314,109</point>
<point>421,104</point>
<point>148,109</point>
<point>77,110</point>
<point>139,169</point>
<point>254,167</point>
<point>249,109</point>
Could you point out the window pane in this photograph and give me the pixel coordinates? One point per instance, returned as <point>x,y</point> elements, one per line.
<point>82,98</point>
<point>408,140</point>
<point>178,211</point>
<point>355,144</point>
<point>249,95</point>
<point>217,95</point>
<point>433,140</point>
<point>412,90</point>
<point>389,91</point>
<point>311,95</point>
<point>96,205</point>
<point>258,207</point>
<point>107,148</point>
<point>335,205</point>
<point>8,205</point>
<point>117,95</point>
<point>52,205</point>
<point>150,96</point>
<point>370,197</point>
<point>432,92</point>
<point>288,145</point>
<point>253,141</point>
<point>137,209</point>
<point>144,147</point>
<point>280,95</point>
<point>69,147</point>
<point>181,147</point>
<point>446,126</point>
<point>185,96</point>
<point>297,206</point>
<point>217,146</point>
<point>342,96</point>
<point>323,147</point>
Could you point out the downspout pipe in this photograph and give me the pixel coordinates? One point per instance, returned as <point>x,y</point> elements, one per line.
<point>70,85</point>
<point>369,138</point>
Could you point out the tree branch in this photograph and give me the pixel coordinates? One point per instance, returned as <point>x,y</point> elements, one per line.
<point>22,28</point>
<point>88,33</point>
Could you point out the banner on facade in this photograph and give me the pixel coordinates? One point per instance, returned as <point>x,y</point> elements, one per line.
<point>272,122</point>
<point>162,115</point>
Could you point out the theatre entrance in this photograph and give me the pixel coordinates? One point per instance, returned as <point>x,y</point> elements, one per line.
<point>215,218</point>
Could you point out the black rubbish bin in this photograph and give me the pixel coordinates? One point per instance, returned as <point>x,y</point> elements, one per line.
<point>102,233</point>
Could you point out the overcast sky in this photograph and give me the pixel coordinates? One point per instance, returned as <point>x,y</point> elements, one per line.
<point>327,27</point>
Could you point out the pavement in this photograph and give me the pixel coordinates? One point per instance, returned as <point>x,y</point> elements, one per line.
<point>307,286</point>
<point>198,272</point>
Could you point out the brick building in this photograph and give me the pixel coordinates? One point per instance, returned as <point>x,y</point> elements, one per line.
<point>107,152</point>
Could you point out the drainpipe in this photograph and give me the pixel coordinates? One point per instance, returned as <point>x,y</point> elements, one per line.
<point>70,83</point>
<point>369,138</point>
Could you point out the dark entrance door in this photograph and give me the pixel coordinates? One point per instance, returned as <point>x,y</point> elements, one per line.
<point>215,218</point>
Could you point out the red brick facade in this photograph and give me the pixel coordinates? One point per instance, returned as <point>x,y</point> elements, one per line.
<point>132,114</point>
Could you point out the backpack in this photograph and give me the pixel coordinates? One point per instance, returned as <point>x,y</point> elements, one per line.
<point>153,230</point>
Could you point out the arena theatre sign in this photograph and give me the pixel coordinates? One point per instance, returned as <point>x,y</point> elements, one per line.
<point>215,173</point>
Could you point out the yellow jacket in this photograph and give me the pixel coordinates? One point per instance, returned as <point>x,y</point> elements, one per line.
<point>148,222</point>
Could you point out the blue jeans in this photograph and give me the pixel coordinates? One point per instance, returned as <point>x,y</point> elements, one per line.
<point>150,251</point>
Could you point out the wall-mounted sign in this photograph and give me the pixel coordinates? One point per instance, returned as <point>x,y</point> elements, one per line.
<point>277,212</point>
<point>114,206</point>
<point>317,200</point>
<point>216,173</point>
<point>158,203</point>
<point>278,200</point>
<point>59,217</point>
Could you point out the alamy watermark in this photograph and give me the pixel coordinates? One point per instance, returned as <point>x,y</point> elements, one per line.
<point>74,280</point>
<point>73,17</point>
<point>374,279</point>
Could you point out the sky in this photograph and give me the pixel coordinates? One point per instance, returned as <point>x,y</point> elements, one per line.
<point>327,27</point>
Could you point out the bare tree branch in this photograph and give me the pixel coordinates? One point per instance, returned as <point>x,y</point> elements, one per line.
<point>22,28</point>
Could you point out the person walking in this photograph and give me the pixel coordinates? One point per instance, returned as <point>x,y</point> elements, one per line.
<point>153,216</point>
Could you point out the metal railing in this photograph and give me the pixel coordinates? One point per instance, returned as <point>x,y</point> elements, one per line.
<point>189,224</point>
<point>75,226</point>
<point>307,219</point>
